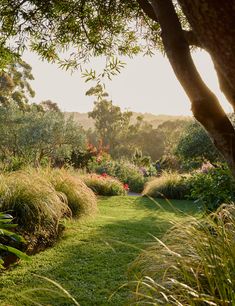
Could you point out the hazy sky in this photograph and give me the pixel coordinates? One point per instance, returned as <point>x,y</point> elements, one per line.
<point>146,84</point>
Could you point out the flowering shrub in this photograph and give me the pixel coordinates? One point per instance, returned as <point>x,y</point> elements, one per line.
<point>206,167</point>
<point>124,171</point>
<point>100,166</point>
<point>104,175</point>
<point>130,174</point>
<point>104,184</point>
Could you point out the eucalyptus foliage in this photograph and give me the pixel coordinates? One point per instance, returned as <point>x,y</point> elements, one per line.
<point>15,85</point>
<point>79,29</point>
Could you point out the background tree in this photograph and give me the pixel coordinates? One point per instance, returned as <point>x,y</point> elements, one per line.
<point>49,105</point>
<point>128,27</point>
<point>111,123</point>
<point>195,143</point>
<point>161,141</point>
<point>32,136</point>
<point>14,84</point>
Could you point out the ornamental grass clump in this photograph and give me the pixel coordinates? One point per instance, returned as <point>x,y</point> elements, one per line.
<point>169,185</point>
<point>81,199</point>
<point>104,185</point>
<point>35,205</point>
<point>194,263</point>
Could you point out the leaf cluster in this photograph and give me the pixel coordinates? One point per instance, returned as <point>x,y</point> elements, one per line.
<point>79,29</point>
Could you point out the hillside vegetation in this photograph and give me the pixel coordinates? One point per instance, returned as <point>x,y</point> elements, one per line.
<point>155,120</point>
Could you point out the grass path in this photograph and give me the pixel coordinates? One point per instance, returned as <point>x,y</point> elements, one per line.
<point>92,259</point>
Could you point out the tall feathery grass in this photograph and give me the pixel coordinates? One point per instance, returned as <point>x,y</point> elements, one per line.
<point>39,199</point>
<point>81,199</point>
<point>36,206</point>
<point>194,264</point>
<point>104,185</point>
<point>32,200</point>
<point>170,185</point>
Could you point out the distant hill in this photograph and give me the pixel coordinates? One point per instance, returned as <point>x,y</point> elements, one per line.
<point>81,118</point>
<point>155,120</point>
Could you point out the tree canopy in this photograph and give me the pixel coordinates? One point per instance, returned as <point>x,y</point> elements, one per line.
<point>14,84</point>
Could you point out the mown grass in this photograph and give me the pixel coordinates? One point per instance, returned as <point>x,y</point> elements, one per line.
<point>92,259</point>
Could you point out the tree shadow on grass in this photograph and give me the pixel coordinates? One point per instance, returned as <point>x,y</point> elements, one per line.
<point>93,268</point>
<point>101,263</point>
<point>94,264</point>
<point>168,205</point>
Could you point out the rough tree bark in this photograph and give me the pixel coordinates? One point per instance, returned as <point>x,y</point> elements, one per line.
<point>205,106</point>
<point>213,22</point>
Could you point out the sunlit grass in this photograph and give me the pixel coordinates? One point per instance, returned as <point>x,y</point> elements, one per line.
<point>92,260</point>
<point>193,264</point>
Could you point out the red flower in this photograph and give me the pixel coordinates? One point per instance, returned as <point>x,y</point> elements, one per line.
<point>126,187</point>
<point>104,174</point>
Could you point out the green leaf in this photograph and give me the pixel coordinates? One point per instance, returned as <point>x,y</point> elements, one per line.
<point>12,250</point>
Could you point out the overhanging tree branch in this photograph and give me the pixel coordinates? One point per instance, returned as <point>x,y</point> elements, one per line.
<point>191,38</point>
<point>147,8</point>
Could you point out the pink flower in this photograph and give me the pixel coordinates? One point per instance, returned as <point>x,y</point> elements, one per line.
<point>126,187</point>
<point>98,160</point>
<point>206,167</point>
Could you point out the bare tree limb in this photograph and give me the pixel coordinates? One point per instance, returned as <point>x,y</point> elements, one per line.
<point>147,9</point>
<point>192,39</point>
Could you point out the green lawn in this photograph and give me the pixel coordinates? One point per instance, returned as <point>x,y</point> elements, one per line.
<point>92,259</point>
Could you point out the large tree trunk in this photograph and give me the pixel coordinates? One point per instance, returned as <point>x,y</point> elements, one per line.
<point>205,106</point>
<point>213,22</point>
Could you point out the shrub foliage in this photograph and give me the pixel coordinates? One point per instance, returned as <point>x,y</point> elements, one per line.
<point>213,188</point>
<point>124,171</point>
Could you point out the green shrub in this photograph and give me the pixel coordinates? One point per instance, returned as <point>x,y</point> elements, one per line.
<point>104,184</point>
<point>35,205</point>
<point>130,174</point>
<point>195,143</point>
<point>170,185</point>
<point>124,171</point>
<point>194,263</point>
<point>81,200</point>
<point>101,166</point>
<point>213,187</point>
